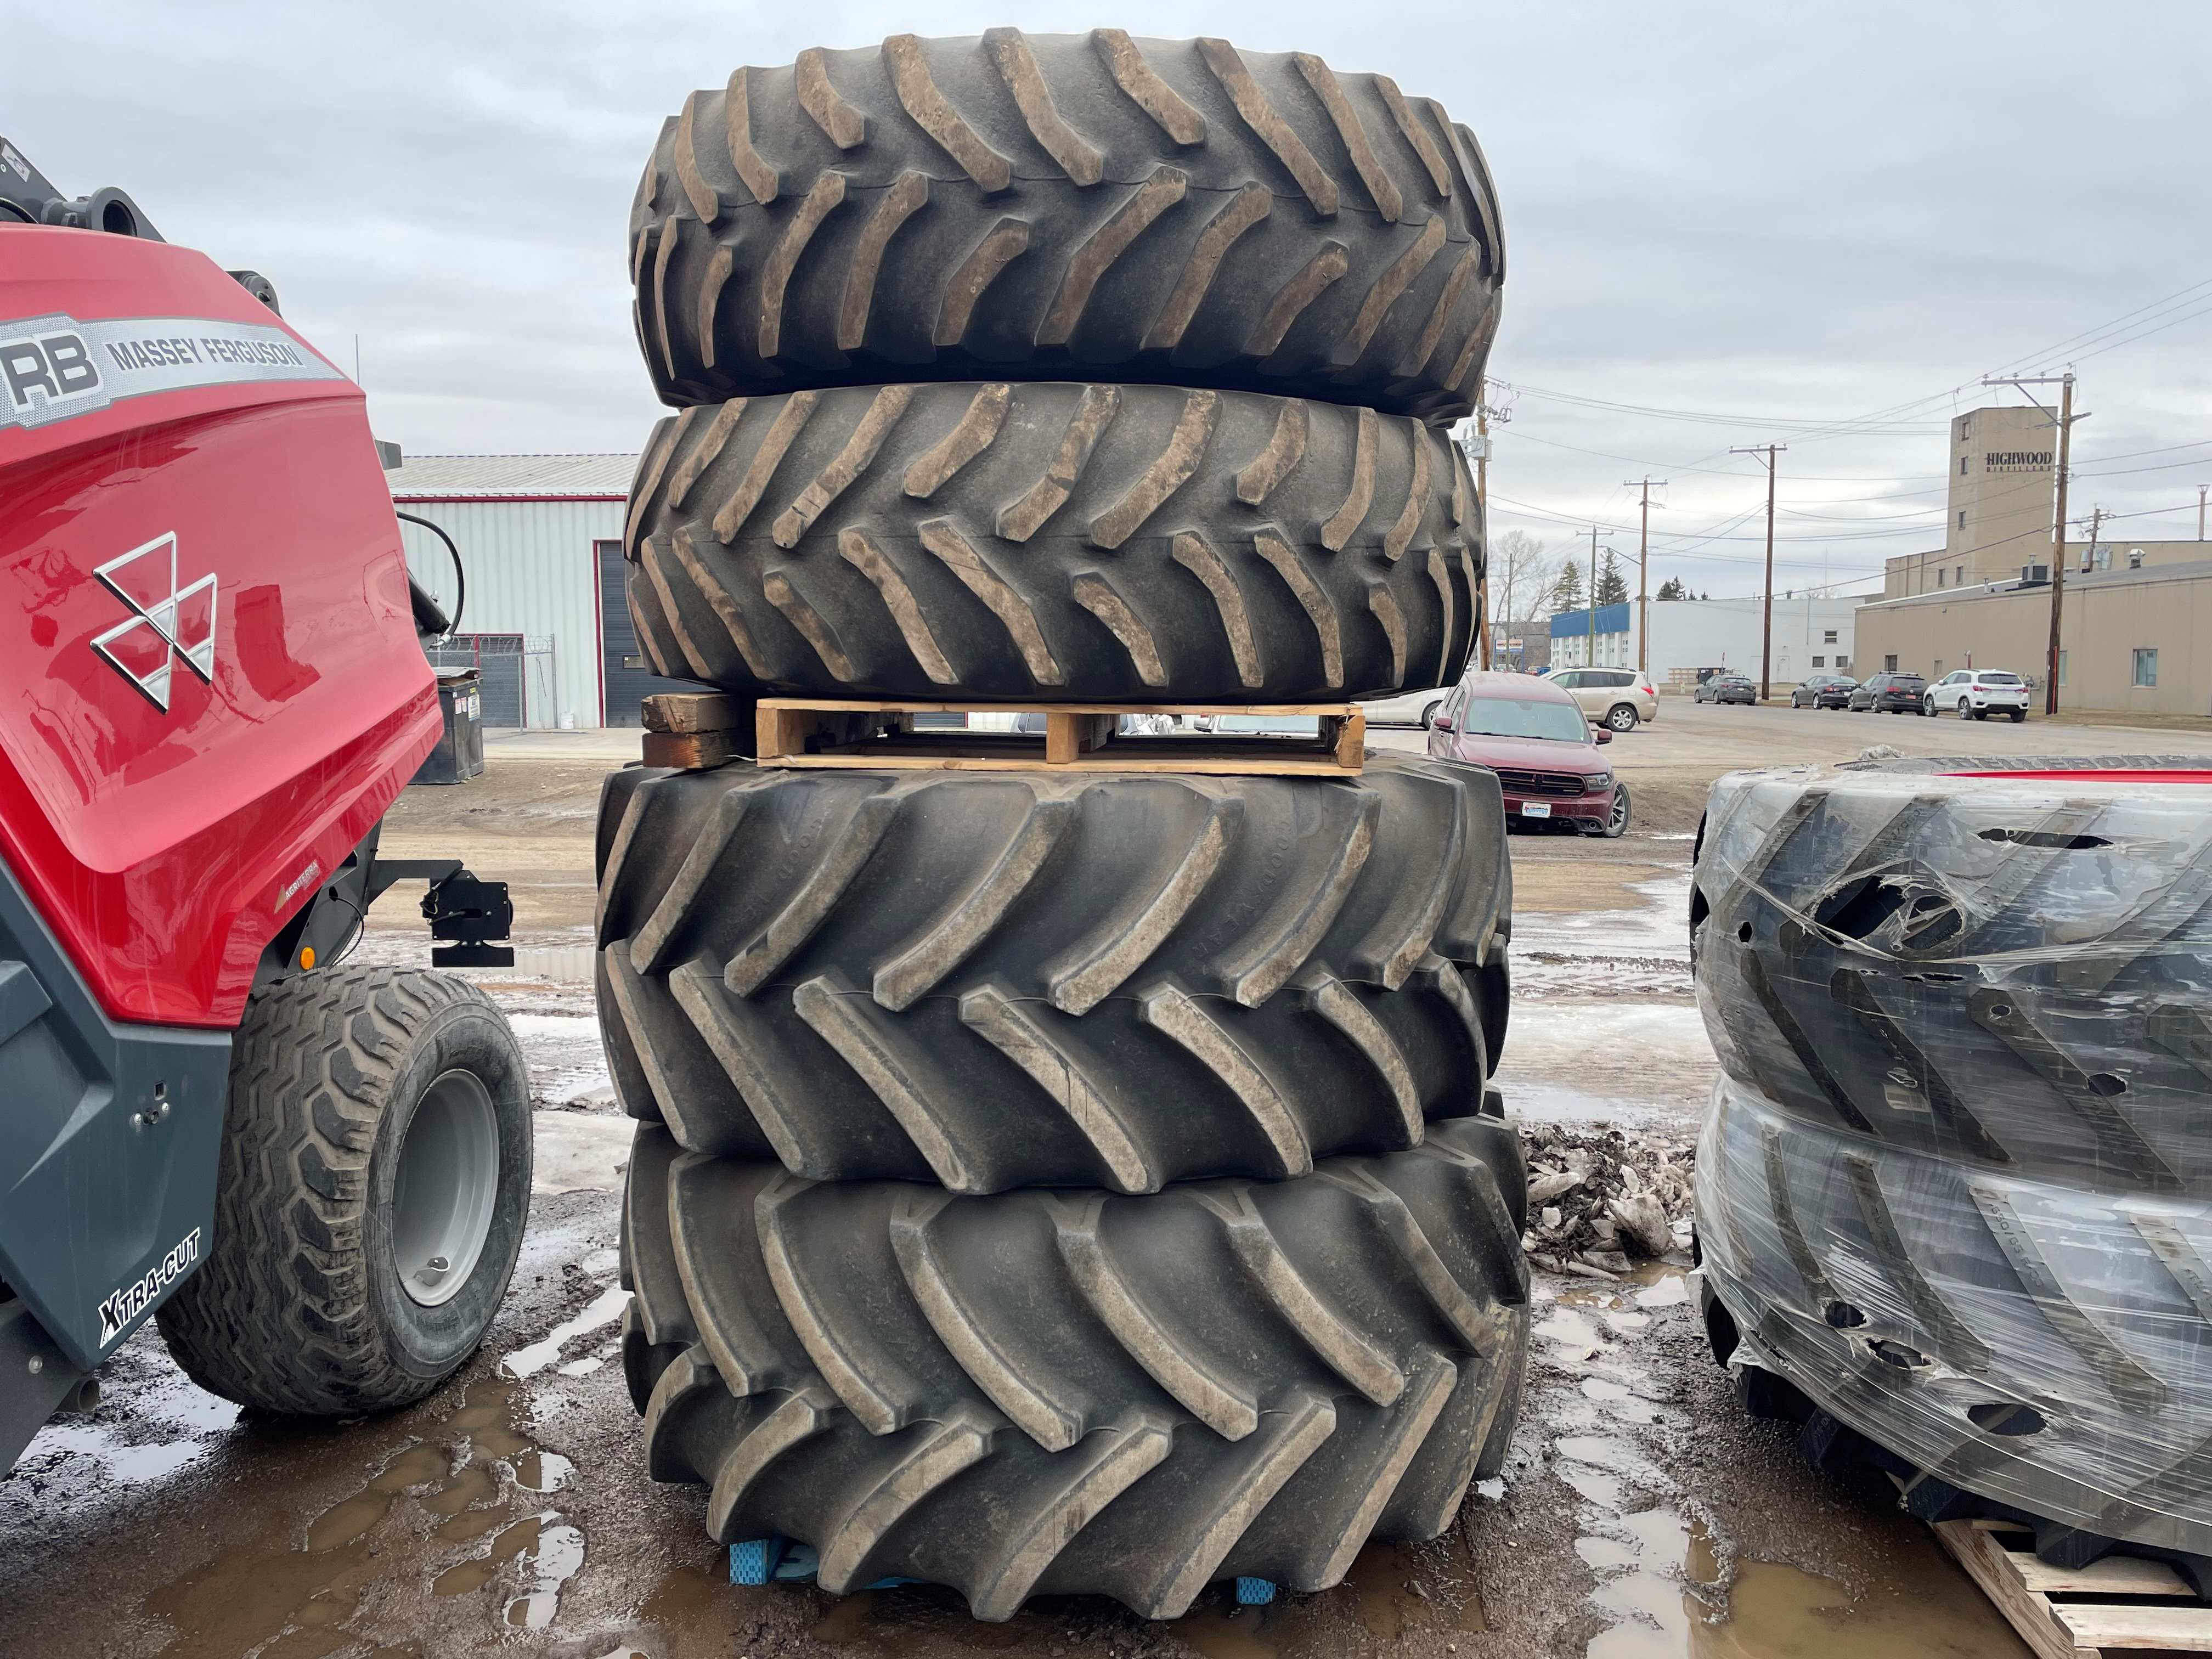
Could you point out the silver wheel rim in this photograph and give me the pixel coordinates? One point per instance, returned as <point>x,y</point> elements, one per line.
<point>1619,818</point>
<point>443,1193</point>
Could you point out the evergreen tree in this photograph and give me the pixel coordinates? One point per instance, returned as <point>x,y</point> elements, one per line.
<point>1672,588</point>
<point>1612,586</point>
<point>1567,592</point>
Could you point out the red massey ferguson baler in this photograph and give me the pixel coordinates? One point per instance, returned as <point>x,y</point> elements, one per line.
<point>212,687</point>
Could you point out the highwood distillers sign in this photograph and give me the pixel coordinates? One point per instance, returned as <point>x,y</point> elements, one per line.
<point>2017,460</point>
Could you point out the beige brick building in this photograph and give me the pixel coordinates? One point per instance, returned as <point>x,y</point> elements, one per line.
<point>2135,640</point>
<point>2003,472</point>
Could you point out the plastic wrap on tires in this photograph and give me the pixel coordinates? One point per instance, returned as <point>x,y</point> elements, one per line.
<point>1956,1185</point>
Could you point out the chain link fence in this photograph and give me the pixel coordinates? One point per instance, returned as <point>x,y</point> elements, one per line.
<point>515,675</point>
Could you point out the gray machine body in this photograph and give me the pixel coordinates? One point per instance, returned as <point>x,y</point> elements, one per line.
<point>108,1136</point>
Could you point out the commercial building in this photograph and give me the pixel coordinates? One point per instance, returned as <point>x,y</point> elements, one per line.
<point>545,619</point>
<point>1999,512</point>
<point>2135,611</point>
<point>1691,638</point>
<point>2132,640</point>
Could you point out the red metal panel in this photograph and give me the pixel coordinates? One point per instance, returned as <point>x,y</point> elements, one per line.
<point>166,845</point>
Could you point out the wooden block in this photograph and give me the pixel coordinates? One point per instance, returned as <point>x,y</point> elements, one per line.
<point>779,731</point>
<point>2116,1626</point>
<point>691,752</point>
<point>1988,1563</point>
<point>2116,1575</point>
<point>1351,740</point>
<point>1068,735</point>
<point>696,711</point>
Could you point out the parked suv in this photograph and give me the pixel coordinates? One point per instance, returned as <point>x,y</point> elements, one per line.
<point>1534,736</point>
<point>1976,693</point>
<point>1727,687</point>
<point>1890,694</point>
<point>1825,691</point>
<point>1613,697</point>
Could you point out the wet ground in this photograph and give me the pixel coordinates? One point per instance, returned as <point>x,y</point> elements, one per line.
<point>1642,1515</point>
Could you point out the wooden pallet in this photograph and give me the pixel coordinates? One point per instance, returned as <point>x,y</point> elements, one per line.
<point>2119,1605</point>
<point>797,731</point>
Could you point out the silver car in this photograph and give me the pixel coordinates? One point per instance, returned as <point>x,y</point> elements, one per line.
<point>1404,708</point>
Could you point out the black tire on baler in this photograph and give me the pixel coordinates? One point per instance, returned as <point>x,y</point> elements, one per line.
<point>1071,1391</point>
<point>1108,980</point>
<point>1059,207</point>
<point>301,1308</point>
<point>1052,542</point>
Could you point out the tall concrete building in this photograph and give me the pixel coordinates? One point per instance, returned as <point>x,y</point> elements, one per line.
<point>2002,473</point>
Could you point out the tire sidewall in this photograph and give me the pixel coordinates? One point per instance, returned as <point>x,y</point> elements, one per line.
<point>430,1342</point>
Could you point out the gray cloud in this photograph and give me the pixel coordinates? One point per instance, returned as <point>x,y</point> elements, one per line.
<point>1788,212</point>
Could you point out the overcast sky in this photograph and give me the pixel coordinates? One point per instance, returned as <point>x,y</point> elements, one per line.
<point>1788,215</point>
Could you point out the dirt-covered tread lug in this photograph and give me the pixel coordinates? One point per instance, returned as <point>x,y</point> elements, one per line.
<point>1031,540</point>
<point>1118,981</point>
<point>1047,206</point>
<point>1063,1391</point>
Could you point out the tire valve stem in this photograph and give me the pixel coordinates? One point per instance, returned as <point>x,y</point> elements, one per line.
<point>432,1268</point>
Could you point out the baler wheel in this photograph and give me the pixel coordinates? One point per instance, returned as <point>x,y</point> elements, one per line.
<point>374,1180</point>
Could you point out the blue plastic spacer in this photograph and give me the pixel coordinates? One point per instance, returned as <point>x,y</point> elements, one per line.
<point>1254,1592</point>
<point>754,1561</point>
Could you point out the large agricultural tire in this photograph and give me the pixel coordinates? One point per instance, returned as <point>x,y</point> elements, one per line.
<point>2037,1342</point>
<point>1042,542</point>
<point>990,980</point>
<point>2009,971</point>
<point>1068,208</point>
<point>1073,1391</point>
<point>373,1113</point>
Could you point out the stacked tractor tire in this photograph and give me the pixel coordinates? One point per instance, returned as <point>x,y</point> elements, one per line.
<point>1954,1192</point>
<point>1061,1180</point>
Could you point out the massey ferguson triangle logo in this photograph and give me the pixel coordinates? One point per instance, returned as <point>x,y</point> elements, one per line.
<point>167,623</point>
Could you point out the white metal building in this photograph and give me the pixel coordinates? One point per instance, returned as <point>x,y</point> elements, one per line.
<point>540,541</point>
<point>1689,637</point>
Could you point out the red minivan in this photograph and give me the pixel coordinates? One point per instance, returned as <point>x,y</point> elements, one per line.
<point>1535,737</point>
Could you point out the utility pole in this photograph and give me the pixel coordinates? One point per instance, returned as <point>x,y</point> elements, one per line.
<point>2200,511</point>
<point>2063,420</point>
<point>1766,618</point>
<point>1590,599</point>
<point>2096,524</point>
<point>1643,572</point>
<point>1508,633</point>
<point>1483,414</point>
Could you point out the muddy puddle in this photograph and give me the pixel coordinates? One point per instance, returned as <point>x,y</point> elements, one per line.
<point>459,1509</point>
<point>1669,1583</point>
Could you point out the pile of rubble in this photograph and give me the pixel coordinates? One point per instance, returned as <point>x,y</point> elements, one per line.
<point>1599,1199</point>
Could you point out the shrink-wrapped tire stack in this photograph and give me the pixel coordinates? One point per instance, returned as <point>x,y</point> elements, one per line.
<point>1956,1185</point>
<point>1064,1181</point>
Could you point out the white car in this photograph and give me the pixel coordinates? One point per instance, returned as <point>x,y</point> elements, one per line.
<point>1977,693</point>
<point>1404,708</point>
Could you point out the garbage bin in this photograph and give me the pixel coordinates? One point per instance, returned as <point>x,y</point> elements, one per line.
<point>459,754</point>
